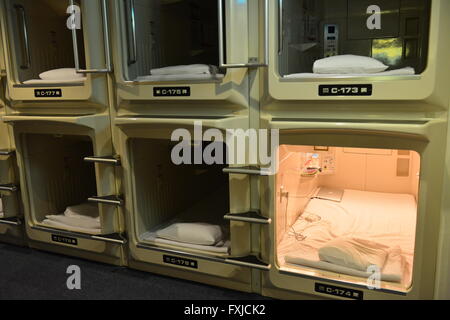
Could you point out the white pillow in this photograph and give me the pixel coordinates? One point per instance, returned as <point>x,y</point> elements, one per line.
<point>348,64</point>
<point>61,74</point>
<point>193,233</point>
<point>354,253</point>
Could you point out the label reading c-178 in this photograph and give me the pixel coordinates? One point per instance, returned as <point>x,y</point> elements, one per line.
<point>345,90</point>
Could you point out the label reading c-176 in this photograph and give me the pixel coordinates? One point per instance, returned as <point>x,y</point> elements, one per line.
<point>345,90</point>
<point>47,93</point>
<point>172,92</point>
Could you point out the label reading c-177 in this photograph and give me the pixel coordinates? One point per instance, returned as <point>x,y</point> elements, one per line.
<point>47,93</point>
<point>345,90</point>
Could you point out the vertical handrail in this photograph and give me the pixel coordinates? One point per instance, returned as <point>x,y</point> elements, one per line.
<point>26,43</point>
<point>222,62</point>
<point>107,47</point>
<point>131,31</point>
<point>280,27</point>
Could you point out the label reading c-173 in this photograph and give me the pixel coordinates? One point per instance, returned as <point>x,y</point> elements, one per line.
<point>345,90</point>
<point>47,93</point>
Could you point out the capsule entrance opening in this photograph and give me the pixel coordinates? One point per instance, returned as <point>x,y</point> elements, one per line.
<point>60,182</point>
<point>393,33</point>
<point>180,206</point>
<point>162,34</point>
<point>348,214</point>
<point>41,41</point>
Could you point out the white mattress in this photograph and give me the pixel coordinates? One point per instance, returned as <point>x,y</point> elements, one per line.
<point>180,77</point>
<point>385,218</point>
<point>408,71</point>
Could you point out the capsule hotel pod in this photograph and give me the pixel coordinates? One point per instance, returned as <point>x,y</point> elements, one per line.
<point>201,79</point>
<point>361,111</point>
<point>58,73</point>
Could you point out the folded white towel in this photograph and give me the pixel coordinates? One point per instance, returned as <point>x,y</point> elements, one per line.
<point>65,81</point>
<point>194,233</point>
<point>61,74</point>
<point>75,221</point>
<point>181,77</point>
<point>88,211</point>
<point>64,226</point>
<point>185,69</point>
<point>407,71</point>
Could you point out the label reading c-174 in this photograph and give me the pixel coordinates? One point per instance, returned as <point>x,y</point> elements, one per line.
<point>345,90</point>
<point>65,240</point>
<point>339,291</point>
<point>47,93</point>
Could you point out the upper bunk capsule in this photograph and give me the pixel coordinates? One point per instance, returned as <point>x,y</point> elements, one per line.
<point>56,50</point>
<point>355,50</point>
<point>198,50</point>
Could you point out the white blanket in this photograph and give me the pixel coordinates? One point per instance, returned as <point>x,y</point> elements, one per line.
<point>388,219</point>
<point>88,211</point>
<point>75,221</point>
<point>408,71</point>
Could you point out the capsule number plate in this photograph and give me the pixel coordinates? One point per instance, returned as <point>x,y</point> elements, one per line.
<point>65,240</point>
<point>339,291</point>
<point>172,92</point>
<point>345,90</point>
<point>47,93</point>
<point>180,261</point>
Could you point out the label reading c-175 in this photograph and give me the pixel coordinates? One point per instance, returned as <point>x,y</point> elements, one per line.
<point>172,92</point>
<point>339,291</point>
<point>345,90</point>
<point>47,93</point>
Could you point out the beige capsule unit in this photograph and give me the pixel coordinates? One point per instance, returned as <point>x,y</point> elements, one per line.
<point>69,195</point>
<point>160,191</point>
<point>406,36</point>
<point>347,187</point>
<point>51,65</point>
<point>193,57</point>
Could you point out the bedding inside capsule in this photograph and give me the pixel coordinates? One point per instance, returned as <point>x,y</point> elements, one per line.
<point>42,42</point>
<point>179,206</point>
<point>347,213</point>
<point>61,182</point>
<point>343,38</point>
<point>169,40</point>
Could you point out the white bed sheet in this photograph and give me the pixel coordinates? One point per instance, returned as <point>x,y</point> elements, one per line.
<point>408,71</point>
<point>386,218</point>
